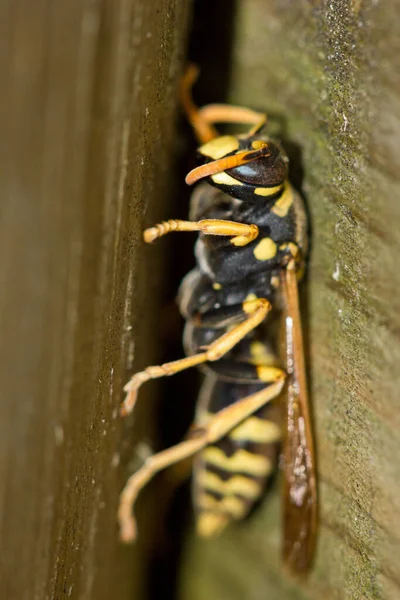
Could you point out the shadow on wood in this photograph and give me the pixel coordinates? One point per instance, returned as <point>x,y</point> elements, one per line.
<point>88,134</point>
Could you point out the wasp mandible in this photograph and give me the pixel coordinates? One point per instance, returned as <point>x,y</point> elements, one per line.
<point>251,253</point>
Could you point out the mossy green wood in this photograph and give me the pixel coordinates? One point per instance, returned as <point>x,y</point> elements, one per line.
<point>90,95</point>
<point>331,71</point>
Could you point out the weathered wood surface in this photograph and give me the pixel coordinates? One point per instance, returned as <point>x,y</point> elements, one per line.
<point>331,70</point>
<point>89,93</point>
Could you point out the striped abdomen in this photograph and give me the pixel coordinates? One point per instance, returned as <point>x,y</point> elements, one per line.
<point>229,476</point>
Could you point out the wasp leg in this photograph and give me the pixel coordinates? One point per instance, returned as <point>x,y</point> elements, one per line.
<point>202,119</point>
<point>290,253</point>
<point>215,429</point>
<point>220,318</point>
<point>256,310</point>
<point>241,372</point>
<point>254,361</point>
<point>223,113</point>
<point>202,128</point>
<point>242,233</point>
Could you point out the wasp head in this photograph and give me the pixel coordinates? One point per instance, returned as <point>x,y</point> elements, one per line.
<point>247,168</point>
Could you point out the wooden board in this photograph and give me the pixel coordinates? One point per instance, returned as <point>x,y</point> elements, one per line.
<point>89,93</point>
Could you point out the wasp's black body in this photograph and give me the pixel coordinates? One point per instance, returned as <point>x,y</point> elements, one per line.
<point>230,475</point>
<point>250,254</point>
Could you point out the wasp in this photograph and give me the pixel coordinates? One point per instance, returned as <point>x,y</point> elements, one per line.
<point>242,295</point>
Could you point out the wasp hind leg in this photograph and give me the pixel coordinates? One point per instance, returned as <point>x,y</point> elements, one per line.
<point>254,311</point>
<point>218,426</point>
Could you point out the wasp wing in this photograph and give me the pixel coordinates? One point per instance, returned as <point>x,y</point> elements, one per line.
<point>299,494</point>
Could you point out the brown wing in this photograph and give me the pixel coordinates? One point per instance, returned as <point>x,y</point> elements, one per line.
<point>299,494</point>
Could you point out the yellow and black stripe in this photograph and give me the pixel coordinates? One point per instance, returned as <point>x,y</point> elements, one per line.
<point>229,476</point>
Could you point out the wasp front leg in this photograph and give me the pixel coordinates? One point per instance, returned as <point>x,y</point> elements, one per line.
<point>241,233</point>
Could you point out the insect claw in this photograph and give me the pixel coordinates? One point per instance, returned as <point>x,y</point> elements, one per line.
<point>131,388</point>
<point>128,531</point>
<point>131,385</point>
<point>129,403</point>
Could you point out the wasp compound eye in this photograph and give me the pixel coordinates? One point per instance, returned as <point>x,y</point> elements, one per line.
<point>270,170</point>
<point>226,162</point>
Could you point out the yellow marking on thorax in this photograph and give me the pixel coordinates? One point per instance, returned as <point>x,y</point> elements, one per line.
<point>237,485</point>
<point>256,430</point>
<point>265,250</point>
<point>233,506</point>
<point>242,461</point>
<point>282,205</point>
<point>264,191</point>
<point>220,146</point>
<point>225,179</point>
<point>217,286</point>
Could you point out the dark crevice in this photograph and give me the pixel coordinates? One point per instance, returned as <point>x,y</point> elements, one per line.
<point>210,47</point>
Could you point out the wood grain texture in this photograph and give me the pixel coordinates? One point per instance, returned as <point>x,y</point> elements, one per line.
<point>330,71</point>
<point>88,104</point>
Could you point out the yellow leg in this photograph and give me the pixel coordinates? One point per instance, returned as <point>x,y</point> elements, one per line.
<point>243,234</point>
<point>256,310</point>
<point>203,130</point>
<point>223,113</point>
<point>215,429</point>
<point>202,119</point>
